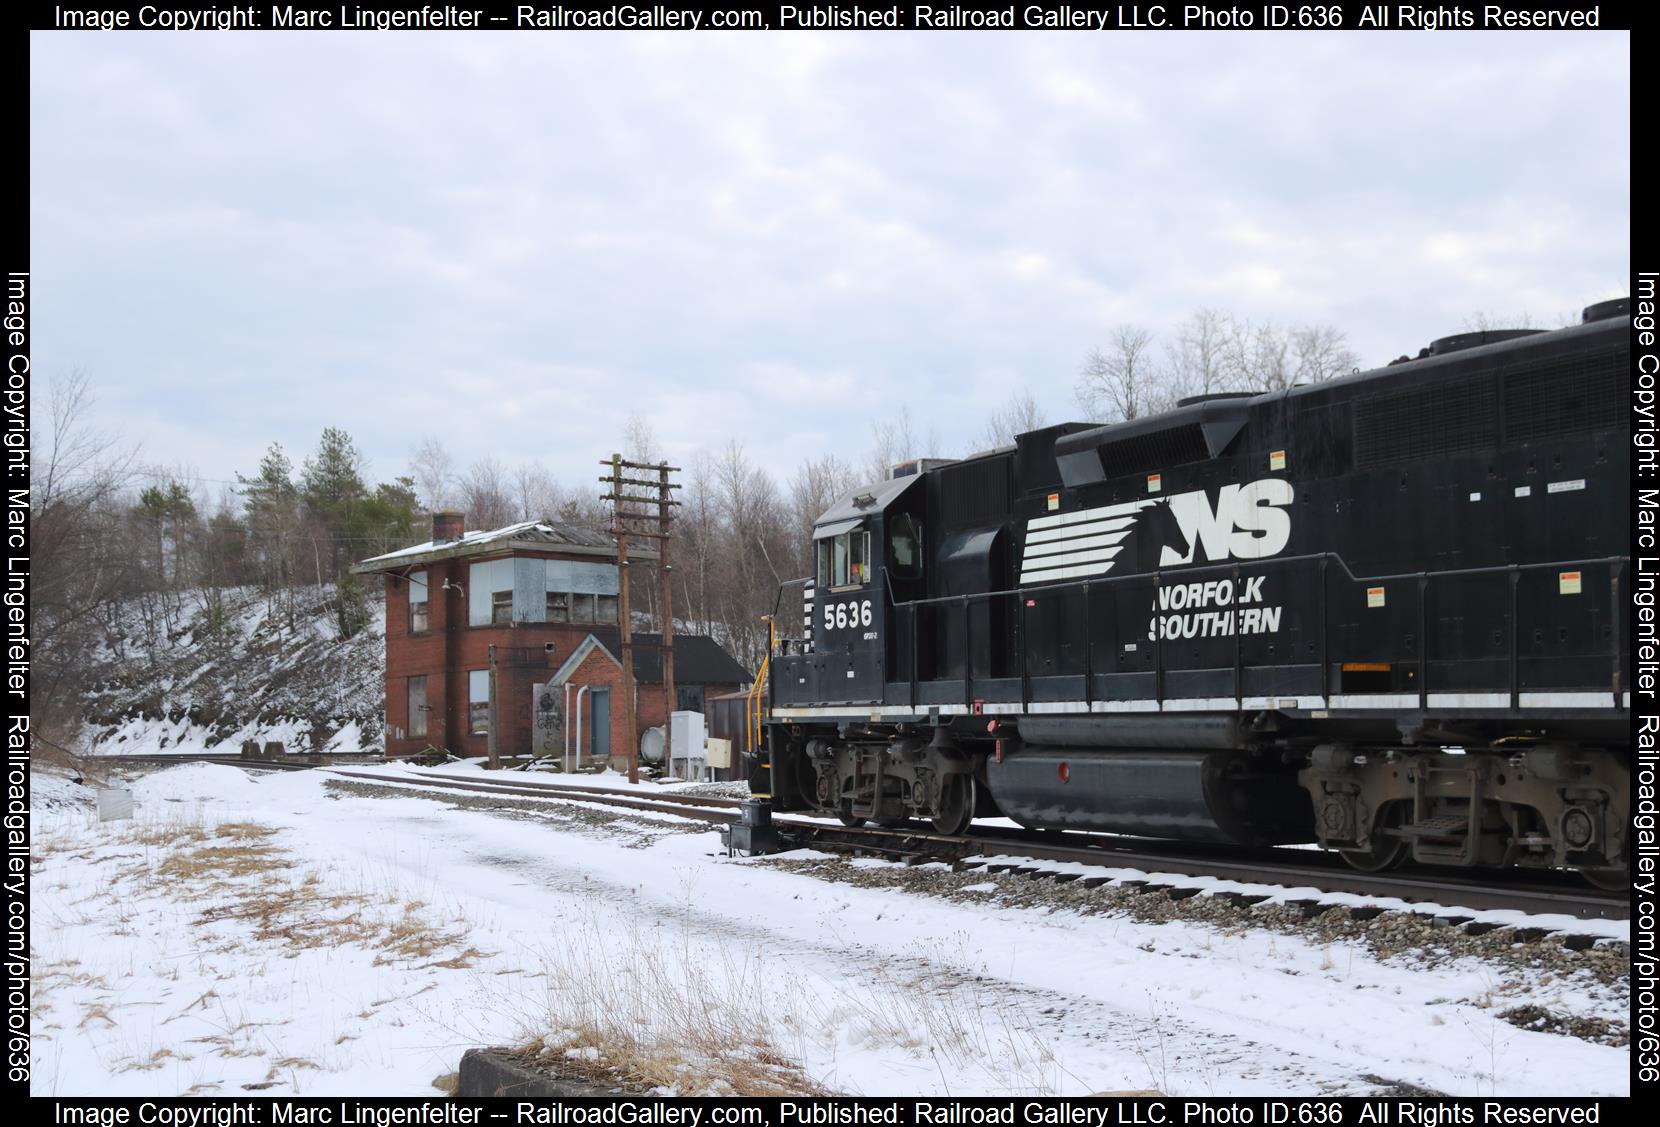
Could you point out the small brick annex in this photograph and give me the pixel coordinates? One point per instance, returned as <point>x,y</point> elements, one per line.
<point>445,651</point>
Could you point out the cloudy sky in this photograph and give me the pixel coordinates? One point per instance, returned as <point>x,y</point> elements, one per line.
<point>512,240</point>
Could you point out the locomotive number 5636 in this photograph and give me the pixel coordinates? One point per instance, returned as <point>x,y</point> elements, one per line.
<point>843,615</point>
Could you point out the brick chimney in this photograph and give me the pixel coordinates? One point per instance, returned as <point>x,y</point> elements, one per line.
<point>447,524</point>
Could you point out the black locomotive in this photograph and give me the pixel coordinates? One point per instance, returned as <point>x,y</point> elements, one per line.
<point>1382,613</point>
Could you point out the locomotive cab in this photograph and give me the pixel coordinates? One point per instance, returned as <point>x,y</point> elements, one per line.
<point>866,552</point>
<point>869,555</point>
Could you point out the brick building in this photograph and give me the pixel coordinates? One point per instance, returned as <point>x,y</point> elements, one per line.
<point>544,595</point>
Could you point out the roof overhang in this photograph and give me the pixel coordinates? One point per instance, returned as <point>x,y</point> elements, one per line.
<point>401,561</point>
<point>837,527</point>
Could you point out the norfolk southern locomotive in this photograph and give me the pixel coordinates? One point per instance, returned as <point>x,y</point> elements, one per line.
<point>1381,613</point>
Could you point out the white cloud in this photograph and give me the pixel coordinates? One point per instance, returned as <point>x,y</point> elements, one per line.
<point>514,240</point>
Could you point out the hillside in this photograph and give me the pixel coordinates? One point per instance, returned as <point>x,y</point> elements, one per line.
<point>191,676</point>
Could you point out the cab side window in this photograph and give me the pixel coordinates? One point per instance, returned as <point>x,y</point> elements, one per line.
<point>844,561</point>
<point>905,547</point>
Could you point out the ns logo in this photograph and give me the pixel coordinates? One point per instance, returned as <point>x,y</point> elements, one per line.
<point>1246,522</point>
<point>1249,522</point>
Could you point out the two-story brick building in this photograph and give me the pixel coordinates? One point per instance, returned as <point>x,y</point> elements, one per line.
<point>545,596</point>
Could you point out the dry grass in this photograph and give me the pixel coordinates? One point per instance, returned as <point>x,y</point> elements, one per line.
<point>666,1011</point>
<point>665,1019</point>
<point>150,1063</point>
<point>240,875</point>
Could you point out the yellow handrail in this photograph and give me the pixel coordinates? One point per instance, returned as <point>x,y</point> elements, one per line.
<point>753,710</point>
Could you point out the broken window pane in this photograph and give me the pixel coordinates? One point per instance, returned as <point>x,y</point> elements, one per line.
<point>582,608</point>
<point>418,602</point>
<point>478,701</point>
<point>417,726</point>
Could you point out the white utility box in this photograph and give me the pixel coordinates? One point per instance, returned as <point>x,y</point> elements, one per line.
<point>686,736</point>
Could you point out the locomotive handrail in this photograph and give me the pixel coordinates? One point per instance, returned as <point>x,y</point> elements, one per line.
<point>1326,556</point>
<point>1421,581</point>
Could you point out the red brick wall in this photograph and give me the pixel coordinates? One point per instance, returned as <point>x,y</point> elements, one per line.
<point>651,702</point>
<point>599,671</point>
<point>449,649</point>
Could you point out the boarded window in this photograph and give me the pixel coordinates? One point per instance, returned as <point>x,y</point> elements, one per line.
<point>478,701</point>
<point>559,606</point>
<point>501,606</point>
<point>417,727</point>
<point>418,602</point>
<point>607,608</point>
<point>582,608</point>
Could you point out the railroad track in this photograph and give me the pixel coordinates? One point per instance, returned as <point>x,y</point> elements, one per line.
<point>1536,894</point>
<point>223,760</point>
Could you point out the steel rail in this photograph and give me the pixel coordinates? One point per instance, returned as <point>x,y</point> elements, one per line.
<point>1318,871</point>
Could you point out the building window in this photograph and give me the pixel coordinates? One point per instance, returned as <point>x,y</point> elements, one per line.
<point>501,606</point>
<point>478,701</point>
<point>418,602</point>
<point>565,606</point>
<point>417,726</point>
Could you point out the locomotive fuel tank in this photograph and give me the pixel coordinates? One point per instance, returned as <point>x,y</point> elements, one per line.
<point>1207,796</point>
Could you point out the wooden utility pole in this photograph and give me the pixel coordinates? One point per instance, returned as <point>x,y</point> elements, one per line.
<point>620,500</point>
<point>666,627</point>
<point>491,747</point>
<point>625,620</point>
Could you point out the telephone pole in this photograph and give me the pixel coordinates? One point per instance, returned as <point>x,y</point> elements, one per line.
<point>666,631</point>
<point>621,512</point>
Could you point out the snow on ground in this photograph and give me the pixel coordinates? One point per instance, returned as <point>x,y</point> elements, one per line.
<point>286,934</point>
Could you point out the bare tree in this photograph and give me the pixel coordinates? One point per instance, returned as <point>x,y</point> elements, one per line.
<point>1321,352</point>
<point>536,494</point>
<point>433,469</point>
<point>1017,416</point>
<point>895,440</point>
<point>1486,321</point>
<point>640,440</point>
<point>1258,356</point>
<point>816,486</point>
<point>754,534</point>
<point>1198,356</point>
<point>79,566</point>
<point>486,496</point>
<point>698,529</point>
<point>1122,381</point>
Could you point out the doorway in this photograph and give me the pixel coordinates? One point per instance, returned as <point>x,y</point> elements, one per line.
<point>599,743</point>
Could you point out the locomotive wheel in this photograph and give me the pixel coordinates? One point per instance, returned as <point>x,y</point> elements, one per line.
<point>956,804</point>
<point>1386,850</point>
<point>1609,880</point>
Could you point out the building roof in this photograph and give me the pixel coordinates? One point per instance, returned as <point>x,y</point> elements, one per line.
<point>533,535</point>
<point>697,660</point>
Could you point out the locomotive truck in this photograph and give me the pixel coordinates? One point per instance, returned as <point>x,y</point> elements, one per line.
<point>1382,613</point>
